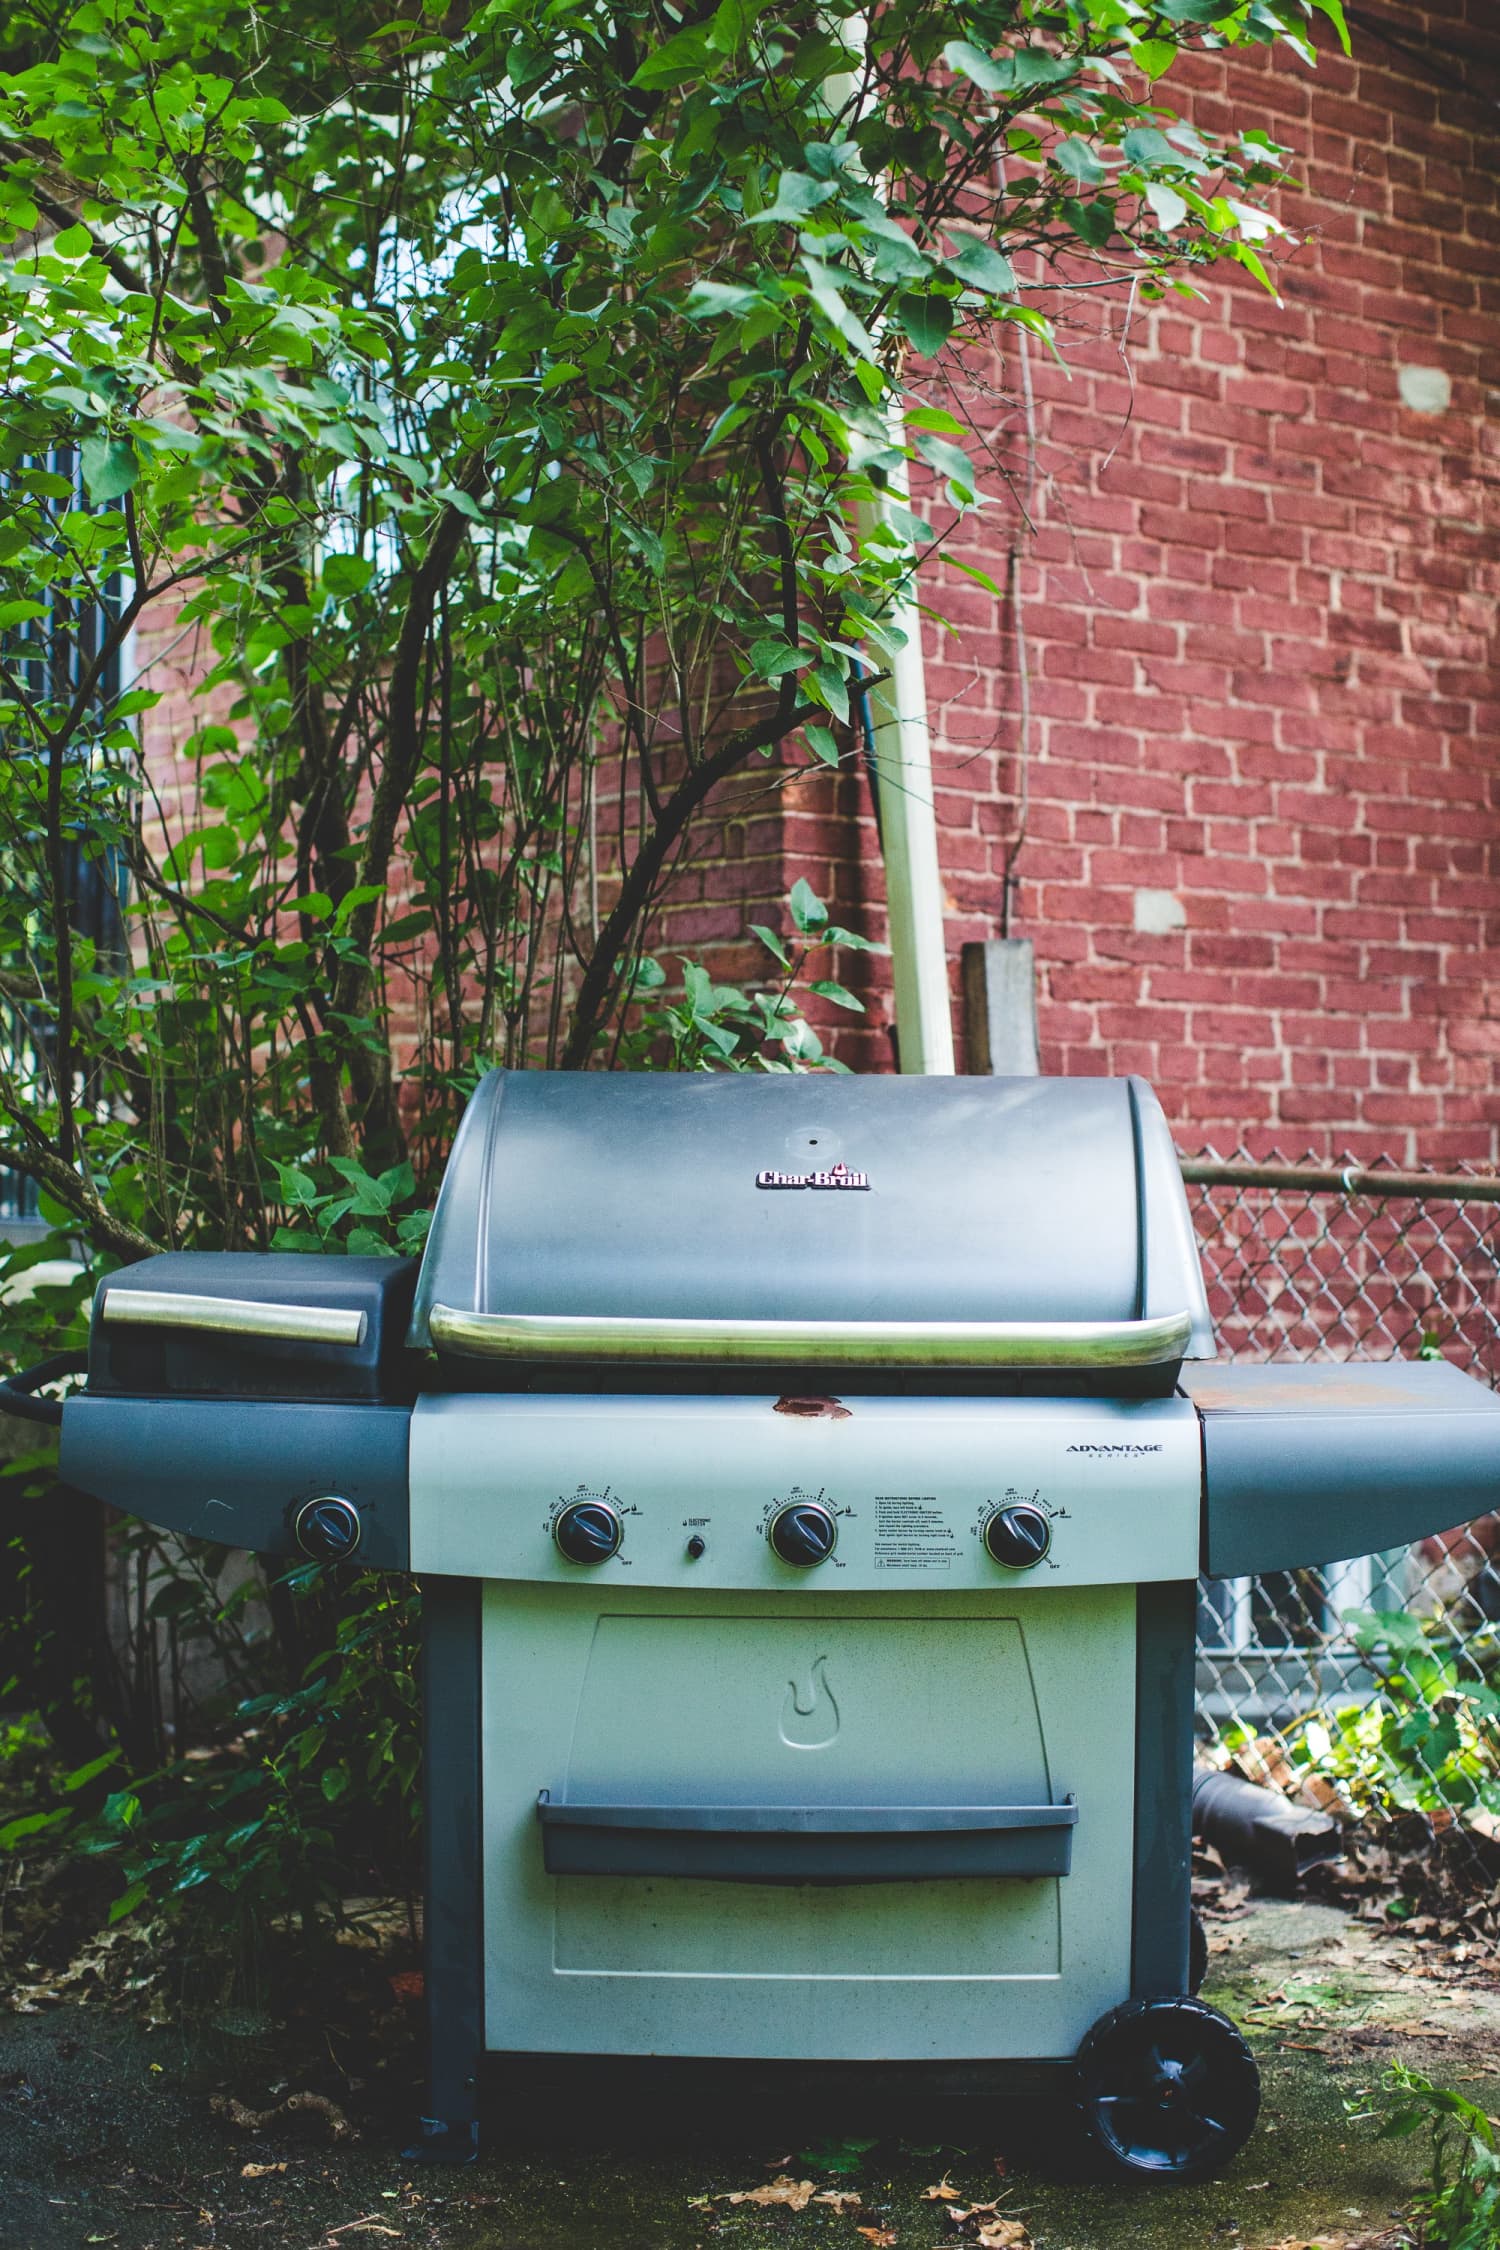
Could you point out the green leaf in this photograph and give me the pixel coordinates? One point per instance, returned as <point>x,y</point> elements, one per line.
<point>81,1776</point>
<point>972,63</point>
<point>344,575</point>
<point>73,242</point>
<point>934,418</point>
<point>1078,160</point>
<point>830,989</point>
<point>772,943</point>
<point>1009,74</point>
<point>30,1824</point>
<point>982,266</point>
<point>772,657</point>
<point>807,909</point>
<point>1154,56</point>
<point>707,299</point>
<point>972,570</point>
<point>1094,222</point>
<point>797,195</point>
<point>926,321</point>
<point>832,689</point>
<point>1167,205</point>
<point>1333,10</point>
<point>129,1899</point>
<point>683,57</point>
<point>110,467</point>
<point>822,286</point>
<point>1252,261</point>
<point>362,894</point>
<point>822,743</point>
<point>1145,146</point>
<point>949,461</point>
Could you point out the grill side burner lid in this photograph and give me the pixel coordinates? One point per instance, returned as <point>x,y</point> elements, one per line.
<point>871,1222</point>
<point>253,1324</point>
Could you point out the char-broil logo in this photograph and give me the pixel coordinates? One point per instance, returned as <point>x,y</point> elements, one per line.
<point>1114,1452</point>
<point>836,1176</point>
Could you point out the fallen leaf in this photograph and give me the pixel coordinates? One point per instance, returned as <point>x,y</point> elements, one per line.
<point>794,2194</point>
<point>259,2171</point>
<point>842,2199</point>
<point>880,2237</point>
<point>1003,2234</point>
<point>942,2193</point>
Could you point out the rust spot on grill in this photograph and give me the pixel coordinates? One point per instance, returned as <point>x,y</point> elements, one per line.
<point>814,1409</point>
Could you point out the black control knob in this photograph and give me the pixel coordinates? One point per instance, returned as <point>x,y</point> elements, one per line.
<point>588,1531</point>
<point>327,1529</point>
<point>803,1534</point>
<point>1018,1537</point>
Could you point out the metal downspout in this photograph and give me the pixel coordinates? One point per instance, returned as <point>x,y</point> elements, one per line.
<point>908,825</point>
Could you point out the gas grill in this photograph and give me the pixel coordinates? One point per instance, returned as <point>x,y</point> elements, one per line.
<point>808,1479</point>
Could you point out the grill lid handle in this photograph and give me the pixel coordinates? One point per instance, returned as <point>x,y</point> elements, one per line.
<point>233,1316</point>
<point>716,1342</point>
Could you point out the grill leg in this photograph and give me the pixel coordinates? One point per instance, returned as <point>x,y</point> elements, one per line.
<point>1166,1625</point>
<point>453,1941</point>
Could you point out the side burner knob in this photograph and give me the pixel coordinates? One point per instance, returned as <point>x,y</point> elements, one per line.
<point>588,1531</point>
<point>802,1534</point>
<point>1018,1537</point>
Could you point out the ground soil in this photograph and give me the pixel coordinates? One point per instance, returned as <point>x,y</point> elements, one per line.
<point>109,2134</point>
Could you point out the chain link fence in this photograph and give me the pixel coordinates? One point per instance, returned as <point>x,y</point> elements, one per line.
<point>1374,1678</point>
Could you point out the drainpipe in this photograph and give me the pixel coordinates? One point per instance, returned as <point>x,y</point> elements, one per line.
<point>902,750</point>
<point>908,825</point>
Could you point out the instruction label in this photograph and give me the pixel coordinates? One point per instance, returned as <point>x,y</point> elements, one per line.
<point>911,1532</point>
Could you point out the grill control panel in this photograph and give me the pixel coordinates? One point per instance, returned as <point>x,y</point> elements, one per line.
<point>862,1495</point>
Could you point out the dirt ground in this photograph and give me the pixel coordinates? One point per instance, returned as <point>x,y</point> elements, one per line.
<point>109,2134</point>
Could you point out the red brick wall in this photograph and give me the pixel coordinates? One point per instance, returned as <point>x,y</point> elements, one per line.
<point>1259,622</point>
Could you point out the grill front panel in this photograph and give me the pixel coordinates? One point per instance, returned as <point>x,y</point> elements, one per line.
<point>660,1699</point>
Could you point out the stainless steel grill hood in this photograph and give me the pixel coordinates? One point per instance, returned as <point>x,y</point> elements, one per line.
<point>873,1222</point>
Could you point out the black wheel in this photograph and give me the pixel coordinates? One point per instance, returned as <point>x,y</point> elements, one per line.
<point>1197,1953</point>
<point>1167,2089</point>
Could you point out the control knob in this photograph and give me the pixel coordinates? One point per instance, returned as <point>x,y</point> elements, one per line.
<point>1018,1536</point>
<point>327,1529</point>
<point>588,1531</point>
<point>803,1533</point>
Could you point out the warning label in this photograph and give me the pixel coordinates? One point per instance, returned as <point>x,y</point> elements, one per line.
<point>911,1532</point>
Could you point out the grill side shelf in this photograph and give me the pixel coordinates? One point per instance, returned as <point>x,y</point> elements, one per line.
<point>576,1337</point>
<point>808,1843</point>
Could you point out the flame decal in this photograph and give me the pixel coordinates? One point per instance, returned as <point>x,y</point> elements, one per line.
<point>809,1712</point>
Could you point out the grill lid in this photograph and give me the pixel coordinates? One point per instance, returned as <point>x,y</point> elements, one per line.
<point>874,1221</point>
